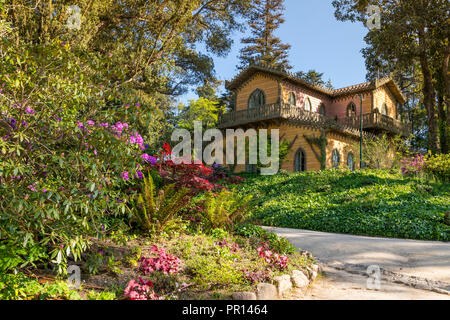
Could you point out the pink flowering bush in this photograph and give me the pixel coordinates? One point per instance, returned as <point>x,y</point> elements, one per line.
<point>140,290</point>
<point>69,162</point>
<point>413,165</point>
<point>163,261</point>
<point>432,166</point>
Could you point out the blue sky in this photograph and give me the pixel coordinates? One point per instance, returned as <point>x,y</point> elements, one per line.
<point>318,41</point>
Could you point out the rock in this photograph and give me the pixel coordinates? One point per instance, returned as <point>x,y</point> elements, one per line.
<point>299,279</point>
<point>244,296</point>
<point>313,273</point>
<point>306,254</point>
<point>284,284</point>
<point>266,291</point>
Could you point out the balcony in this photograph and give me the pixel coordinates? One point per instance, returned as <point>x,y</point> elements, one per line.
<point>277,111</point>
<point>379,122</point>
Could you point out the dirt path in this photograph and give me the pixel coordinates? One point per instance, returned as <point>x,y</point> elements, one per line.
<point>407,269</point>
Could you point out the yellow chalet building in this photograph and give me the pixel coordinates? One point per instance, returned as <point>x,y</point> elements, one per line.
<point>321,125</point>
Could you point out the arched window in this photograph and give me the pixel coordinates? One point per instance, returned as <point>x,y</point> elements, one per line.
<point>300,161</point>
<point>384,109</point>
<point>351,161</point>
<point>308,106</point>
<point>322,110</point>
<point>292,100</point>
<point>351,110</point>
<point>336,159</point>
<point>256,99</point>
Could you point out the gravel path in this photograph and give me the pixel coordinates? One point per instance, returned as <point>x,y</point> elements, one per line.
<point>408,269</point>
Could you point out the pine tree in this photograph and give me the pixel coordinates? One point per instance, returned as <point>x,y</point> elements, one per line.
<point>263,46</point>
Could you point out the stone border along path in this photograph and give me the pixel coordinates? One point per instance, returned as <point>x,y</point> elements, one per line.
<point>284,286</point>
<point>422,266</point>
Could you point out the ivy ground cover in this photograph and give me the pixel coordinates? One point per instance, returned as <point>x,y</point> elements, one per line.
<point>373,203</point>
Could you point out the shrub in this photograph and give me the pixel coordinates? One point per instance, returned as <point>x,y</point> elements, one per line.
<point>275,243</point>
<point>438,166</point>
<point>20,287</point>
<point>273,259</point>
<point>225,209</point>
<point>156,212</point>
<point>140,290</point>
<point>164,262</point>
<point>432,166</point>
<point>104,295</point>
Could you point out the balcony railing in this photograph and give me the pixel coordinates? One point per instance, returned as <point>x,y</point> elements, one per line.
<point>285,111</point>
<point>378,121</point>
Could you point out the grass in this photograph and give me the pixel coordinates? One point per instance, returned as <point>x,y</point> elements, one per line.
<point>373,203</point>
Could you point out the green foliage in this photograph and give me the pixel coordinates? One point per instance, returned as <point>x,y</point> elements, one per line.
<point>278,244</point>
<point>438,166</point>
<point>381,152</point>
<point>20,287</point>
<point>224,209</point>
<point>374,203</point>
<point>104,295</point>
<point>262,45</point>
<point>203,110</point>
<point>157,211</point>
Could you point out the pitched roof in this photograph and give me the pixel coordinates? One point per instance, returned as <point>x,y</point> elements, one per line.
<point>245,74</point>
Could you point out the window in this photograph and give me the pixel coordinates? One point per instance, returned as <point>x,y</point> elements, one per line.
<point>351,161</point>
<point>322,110</point>
<point>300,161</point>
<point>351,110</point>
<point>292,100</point>
<point>257,99</point>
<point>336,159</point>
<point>384,109</point>
<point>308,105</point>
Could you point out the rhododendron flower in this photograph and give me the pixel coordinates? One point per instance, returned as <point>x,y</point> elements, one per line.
<point>124,175</point>
<point>149,159</point>
<point>80,124</point>
<point>28,110</point>
<point>91,123</point>
<point>136,138</point>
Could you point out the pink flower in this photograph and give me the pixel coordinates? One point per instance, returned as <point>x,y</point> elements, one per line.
<point>90,122</point>
<point>124,175</point>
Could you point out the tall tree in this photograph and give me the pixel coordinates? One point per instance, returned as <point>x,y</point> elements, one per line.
<point>413,32</point>
<point>263,46</point>
<point>315,78</point>
<point>153,42</point>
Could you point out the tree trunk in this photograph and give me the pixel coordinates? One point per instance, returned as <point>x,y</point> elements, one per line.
<point>446,99</point>
<point>443,129</point>
<point>429,102</point>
